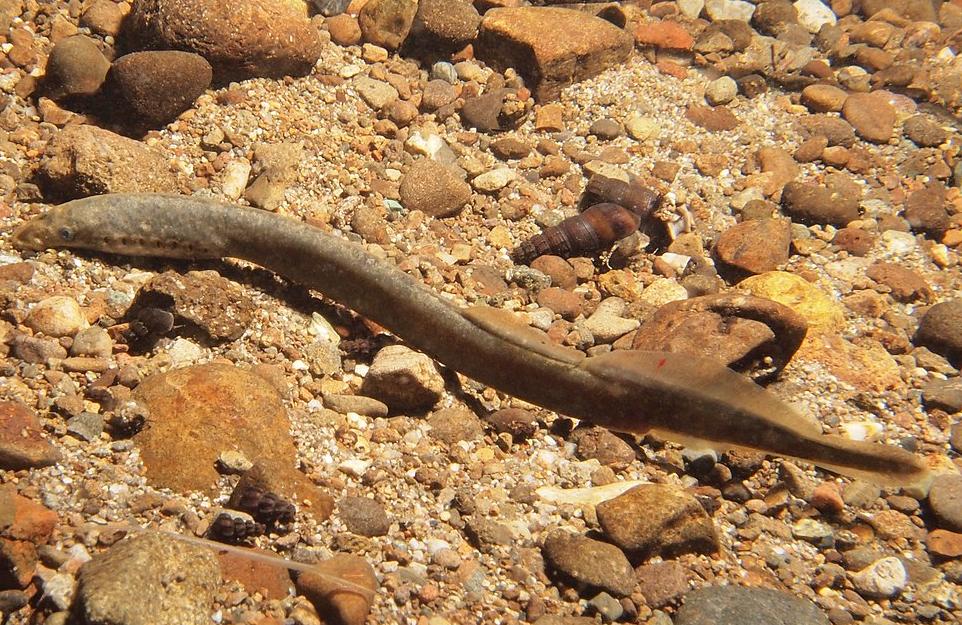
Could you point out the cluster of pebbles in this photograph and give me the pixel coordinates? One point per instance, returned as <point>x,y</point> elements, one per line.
<point>809,236</point>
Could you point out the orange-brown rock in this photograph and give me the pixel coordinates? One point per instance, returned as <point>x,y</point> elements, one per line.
<point>21,444</point>
<point>197,412</point>
<point>269,38</point>
<point>551,47</point>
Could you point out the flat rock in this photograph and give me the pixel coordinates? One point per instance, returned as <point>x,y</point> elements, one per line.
<point>191,408</point>
<point>713,118</point>
<point>755,246</point>
<point>665,34</point>
<point>84,160</point>
<point>822,98</point>
<point>943,395</point>
<point>905,284</point>
<point>157,86</point>
<point>258,38</point>
<point>149,579</point>
<point>434,188</point>
<point>22,446</point>
<point>22,519</point>
<point>657,519</point>
<point>363,516</point>
<point>735,605</point>
<point>551,47</point>
<point>922,131</point>
<point>589,562</point>
<point>271,581</point>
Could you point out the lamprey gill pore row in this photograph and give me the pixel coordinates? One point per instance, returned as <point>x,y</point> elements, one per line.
<point>679,395</point>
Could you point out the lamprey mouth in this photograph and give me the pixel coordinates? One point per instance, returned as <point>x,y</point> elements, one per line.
<point>31,236</point>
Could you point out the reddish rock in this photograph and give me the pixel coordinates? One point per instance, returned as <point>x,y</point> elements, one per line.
<point>712,118</point>
<point>21,444</point>
<point>272,581</point>
<point>906,285</point>
<point>755,246</point>
<point>568,304</point>
<point>551,47</point>
<point>23,519</point>
<point>18,561</point>
<point>344,29</point>
<point>827,498</point>
<point>944,543</point>
<point>871,115</point>
<point>665,34</point>
<point>821,98</point>
<point>198,412</point>
<point>855,241</point>
<point>662,582</point>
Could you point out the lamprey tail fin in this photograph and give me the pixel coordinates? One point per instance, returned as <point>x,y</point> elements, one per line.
<point>702,400</point>
<point>694,382</point>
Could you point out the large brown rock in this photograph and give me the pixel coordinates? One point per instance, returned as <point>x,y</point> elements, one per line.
<point>195,413</point>
<point>157,86</point>
<point>386,23</point>
<point>658,519</point>
<point>738,330</point>
<point>149,579</point>
<point>270,38</point>
<point>86,160</point>
<point>551,47</point>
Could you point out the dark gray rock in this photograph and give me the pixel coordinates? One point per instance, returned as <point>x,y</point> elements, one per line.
<point>735,605</point>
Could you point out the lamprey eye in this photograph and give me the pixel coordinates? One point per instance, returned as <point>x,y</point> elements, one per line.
<point>66,234</point>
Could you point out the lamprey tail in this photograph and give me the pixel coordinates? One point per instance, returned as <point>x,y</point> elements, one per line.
<point>701,399</point>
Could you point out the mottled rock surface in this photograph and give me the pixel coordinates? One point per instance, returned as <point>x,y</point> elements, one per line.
<point>551,47</point>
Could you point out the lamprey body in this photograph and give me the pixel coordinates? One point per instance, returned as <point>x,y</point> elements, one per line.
<point>682,396</point>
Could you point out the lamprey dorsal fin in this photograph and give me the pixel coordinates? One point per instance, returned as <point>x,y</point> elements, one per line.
<point>508,326</point>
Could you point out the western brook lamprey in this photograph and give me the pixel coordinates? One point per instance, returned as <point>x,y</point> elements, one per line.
<point>681,396</point>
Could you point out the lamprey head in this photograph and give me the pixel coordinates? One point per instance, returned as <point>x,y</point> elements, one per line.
<point>53,229</point>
